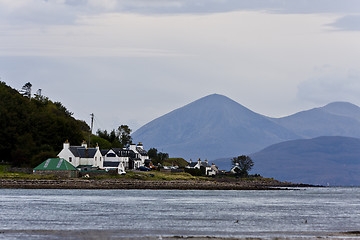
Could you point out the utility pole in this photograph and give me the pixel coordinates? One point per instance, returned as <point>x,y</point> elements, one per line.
<point>91,128</point>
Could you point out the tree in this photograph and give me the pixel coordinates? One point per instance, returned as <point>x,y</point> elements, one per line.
<point>26,90</point>
<point>152,153</point>
<point>157,157</point>
<point>32,130</point>
<point>118,138</point>
<point>243,165</point>
<point>124,135</point>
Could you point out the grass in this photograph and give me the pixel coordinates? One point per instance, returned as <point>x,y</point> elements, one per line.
<point>150,176</point>
<point>154,176</point>
<point>18,175</point>
<point>176,162</point>
<point>9,175</point>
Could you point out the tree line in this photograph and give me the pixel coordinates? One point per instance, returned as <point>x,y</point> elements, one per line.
<point>34,128</point>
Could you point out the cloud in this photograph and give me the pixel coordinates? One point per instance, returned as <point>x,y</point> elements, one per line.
<point>335,86</point>
<point>347,23</point>
<point>68,11</point>
<point>23,13</point>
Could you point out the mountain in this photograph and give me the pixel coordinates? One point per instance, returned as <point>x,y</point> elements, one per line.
<point>334,119</point>
<point>323,160</point>
<point>211,127</point>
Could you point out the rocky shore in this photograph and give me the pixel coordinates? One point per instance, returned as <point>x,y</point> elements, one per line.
<point>145,184</point>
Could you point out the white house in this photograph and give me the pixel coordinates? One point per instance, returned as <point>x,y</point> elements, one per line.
<point>235,169</point>
<point>209,170</point>
<point>141,154</point>
<point>115,158</point>
<point>128,158</point>
<point>112,155</point>
<point>82,155</point>
<point>117,166</point>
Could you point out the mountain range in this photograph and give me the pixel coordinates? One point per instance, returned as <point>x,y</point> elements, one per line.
<point>334,119</point>
<point>216,127</point>
<point>323,160</point>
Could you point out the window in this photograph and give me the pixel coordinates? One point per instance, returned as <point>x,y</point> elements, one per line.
<point>70,159</point>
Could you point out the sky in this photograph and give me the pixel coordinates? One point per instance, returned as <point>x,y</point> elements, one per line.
<point>131,61</point>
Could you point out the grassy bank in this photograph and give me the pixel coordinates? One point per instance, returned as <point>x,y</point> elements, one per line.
<point>4,174</point>
<point>151,176</point>
<point>133,175</point>
<point>155,176</point>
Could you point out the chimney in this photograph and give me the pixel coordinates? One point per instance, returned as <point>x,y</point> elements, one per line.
<point>206,161</point>
<point>97,146</point>
<point>140,145</point>
<point>190,161</point>
<point>199,161</point>
<point>66,144</point>
<point>83,144</point>
<point>133,147</point>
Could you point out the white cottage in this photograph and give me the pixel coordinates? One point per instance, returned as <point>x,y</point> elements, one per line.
<point>128,158</point>
<point>140,154</point>
<point>209,170</point>
<point>82,155</point>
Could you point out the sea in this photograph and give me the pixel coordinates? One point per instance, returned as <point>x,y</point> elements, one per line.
<point>160,214</point>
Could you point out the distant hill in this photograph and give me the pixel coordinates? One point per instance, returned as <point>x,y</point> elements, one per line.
<point>216,127</point>
<point>32,130</point>
<point>322,160</point>
<point>334,119</point>
<point>211,127</point>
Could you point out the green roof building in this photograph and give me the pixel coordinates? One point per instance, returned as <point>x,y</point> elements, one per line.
<point>56,166</point>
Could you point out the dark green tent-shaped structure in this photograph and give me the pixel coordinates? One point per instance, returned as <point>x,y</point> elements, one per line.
<point>56,166</point>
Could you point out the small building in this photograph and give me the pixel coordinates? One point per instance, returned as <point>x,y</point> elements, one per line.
<point>235,169</point>
<point>114,166</point>
<point>56,166</point>
<point>82,155</point>
<point>209,170</point>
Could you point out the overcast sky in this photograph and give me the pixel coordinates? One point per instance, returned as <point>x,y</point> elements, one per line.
<point>131,61</point>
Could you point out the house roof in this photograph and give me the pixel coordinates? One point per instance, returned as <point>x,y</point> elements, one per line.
<point>124,152</point>
<point>141,151</point>
<point>104,152</point>
<point>55,164</point>
<point>203,164</point>
<point>111,164</point>
<point>83,152</point>
<point>192,164</point>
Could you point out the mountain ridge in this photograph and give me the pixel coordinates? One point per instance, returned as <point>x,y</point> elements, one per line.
<point>200,124</point>
<point>326,160</point>
<point>216,126</point>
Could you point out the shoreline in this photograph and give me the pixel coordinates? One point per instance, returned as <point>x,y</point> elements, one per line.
<point>131,234</point>
<point>146,184</point>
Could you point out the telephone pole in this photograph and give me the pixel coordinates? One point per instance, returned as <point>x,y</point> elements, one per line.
<point>91,128</point>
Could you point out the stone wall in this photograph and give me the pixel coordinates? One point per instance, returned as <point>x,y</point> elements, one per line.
<point>60,173</point>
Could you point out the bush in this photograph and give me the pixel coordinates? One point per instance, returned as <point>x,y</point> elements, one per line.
<point>194,171</point>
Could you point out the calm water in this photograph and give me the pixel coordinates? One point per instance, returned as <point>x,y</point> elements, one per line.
<point>154,213</point>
